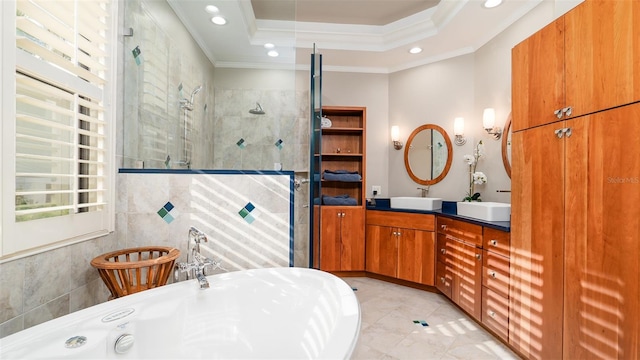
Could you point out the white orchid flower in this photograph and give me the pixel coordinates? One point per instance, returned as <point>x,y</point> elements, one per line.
<point>479,178</point>
<point>469,159</point>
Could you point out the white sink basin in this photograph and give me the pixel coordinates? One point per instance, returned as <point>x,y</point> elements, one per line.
<point>488,211</point>
<point>416,203</point>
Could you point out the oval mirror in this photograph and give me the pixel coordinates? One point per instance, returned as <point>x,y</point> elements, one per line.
<point>427,155</point>
<point>506,146</point>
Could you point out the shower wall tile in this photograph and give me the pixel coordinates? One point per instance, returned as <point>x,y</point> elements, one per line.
<point>285,118</point>
<point>154,123</point>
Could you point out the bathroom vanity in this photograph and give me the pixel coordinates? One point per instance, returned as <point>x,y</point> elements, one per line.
<point>464,258</point>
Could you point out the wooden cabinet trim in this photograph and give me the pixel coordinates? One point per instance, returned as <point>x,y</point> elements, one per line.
<point>401,219</point>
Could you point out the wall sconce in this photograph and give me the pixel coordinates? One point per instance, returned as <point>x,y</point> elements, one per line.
<point>488,123</point>
<point>458,131</point>
<point>395,137</point>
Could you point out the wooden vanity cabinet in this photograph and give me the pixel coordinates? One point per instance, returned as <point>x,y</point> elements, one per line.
<point>495,281</point>
<point>401,245</point>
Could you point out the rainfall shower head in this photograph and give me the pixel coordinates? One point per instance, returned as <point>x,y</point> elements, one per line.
<point>258,110</point>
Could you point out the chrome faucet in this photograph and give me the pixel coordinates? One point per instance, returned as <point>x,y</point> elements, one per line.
<point>425,191</point>
<point>197,264</point>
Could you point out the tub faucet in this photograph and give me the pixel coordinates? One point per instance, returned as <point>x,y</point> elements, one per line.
<point>196,262</point>
<point>425,191</point>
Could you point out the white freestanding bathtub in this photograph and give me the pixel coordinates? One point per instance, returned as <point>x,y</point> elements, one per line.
<point>275,313</point>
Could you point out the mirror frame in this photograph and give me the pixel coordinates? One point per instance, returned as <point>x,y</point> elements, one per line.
<point>445,171</point>
<point>505,139</point>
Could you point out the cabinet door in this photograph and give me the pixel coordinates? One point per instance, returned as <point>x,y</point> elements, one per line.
<point>537,233</point>
<point>602,47</point>
<point>352,239</point>
<point>381,250</point>
<point>468,280</point>
<point>416,256</point>
<point>537,85</point>
<point>602,247</point>
<point>330,238</point>
<point>444,265</point>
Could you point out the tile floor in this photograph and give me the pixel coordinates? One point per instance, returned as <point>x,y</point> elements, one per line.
<point>388,330</point>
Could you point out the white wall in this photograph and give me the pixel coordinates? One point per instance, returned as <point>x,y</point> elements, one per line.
<point>431,94</point>
<point>372,91</point>
<point>463,86</point>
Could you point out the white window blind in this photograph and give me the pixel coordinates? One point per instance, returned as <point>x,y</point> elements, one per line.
<point>62,73</point>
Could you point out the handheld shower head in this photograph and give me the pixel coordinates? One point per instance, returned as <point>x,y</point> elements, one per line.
<point>195,91</point>
<point>258,110</point>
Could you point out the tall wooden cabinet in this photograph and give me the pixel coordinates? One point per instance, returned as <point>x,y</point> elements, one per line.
<point>579,64</point>
<point>340,239</point>
<point>575,233</point>
<point>602,236</point>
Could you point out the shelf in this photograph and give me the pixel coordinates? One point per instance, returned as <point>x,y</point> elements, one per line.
<point>337,130</point>
<point>340,154</point>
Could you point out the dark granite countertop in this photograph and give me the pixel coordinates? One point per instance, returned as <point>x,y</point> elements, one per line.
<point>449,209</point>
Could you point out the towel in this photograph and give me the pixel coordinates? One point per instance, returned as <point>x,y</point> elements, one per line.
<point>341,175</point>
<point>339,200</point>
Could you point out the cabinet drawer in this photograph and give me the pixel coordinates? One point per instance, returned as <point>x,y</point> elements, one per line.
<point>461,230</point>
<point>401,220</point>
<point>495,274</point>
<point>495,312</point>
<point>444,279</point>
<point>444,249</point>
<point>497,241</point>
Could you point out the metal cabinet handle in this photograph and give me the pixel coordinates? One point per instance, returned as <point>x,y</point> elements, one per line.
<point>567,131</point>
<point>559,133</point>
<point>443,251</point>
<point>478,256</point>
<point>567,111</point>
<point>558,113</point>
<point>492,314</point>
<point>443,227</point>
<point>492,274</point>
<point>493,242</point>
<point>442,280</point>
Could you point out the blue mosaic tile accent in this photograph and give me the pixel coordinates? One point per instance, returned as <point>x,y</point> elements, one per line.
<point>420,322</point>
<point>164,212</point>
<point>279,144</point>
<point>245,213</point>
<point>241,144</point>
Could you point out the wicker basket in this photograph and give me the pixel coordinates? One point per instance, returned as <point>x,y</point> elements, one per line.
<point>132,270</point>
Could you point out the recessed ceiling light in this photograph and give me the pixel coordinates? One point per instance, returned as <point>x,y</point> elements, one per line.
<point>218,20</point>
<point>415,50</point>
<point>491,3</point>
<point>211,9</point>
<point>269,46</point>
<point>273,53</point>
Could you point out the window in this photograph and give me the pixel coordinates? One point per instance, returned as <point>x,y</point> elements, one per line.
<point>60,122</point>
